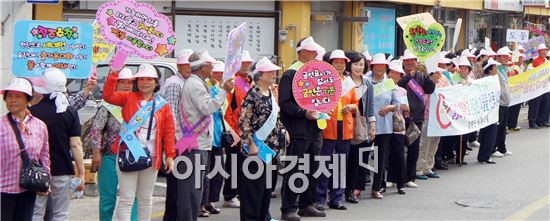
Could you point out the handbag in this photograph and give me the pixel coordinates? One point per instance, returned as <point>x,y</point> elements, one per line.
<point>227,137</point>
<point>398,122</point>
<point>412,134</point>
<point>127,161</point>
<point>360,128</point>
<point>33,177</point>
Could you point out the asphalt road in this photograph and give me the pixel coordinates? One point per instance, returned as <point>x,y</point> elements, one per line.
<point>516,188</point>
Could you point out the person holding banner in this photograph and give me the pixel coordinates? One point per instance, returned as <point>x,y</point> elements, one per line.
<point>103,134</point>
<point>64,130</point>
<point>488,134</point>
<point>261,131</point>
<point>147,132</point>
<point>172,94</point>
<point>232,113</point>
<point>305,137</point>
<point>356,175</point>
<point>519,68</point>
<point>503,57</point>
<point>338,133</point>
<point>482,56</point>
<point>538,111</point>
<point>385,103</point>
<point>197,109</point>
<point>417,85</point>
<point>19,125</point>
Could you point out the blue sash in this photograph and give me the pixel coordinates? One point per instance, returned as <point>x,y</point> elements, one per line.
<point>141,116</point>
<point>264,152</point>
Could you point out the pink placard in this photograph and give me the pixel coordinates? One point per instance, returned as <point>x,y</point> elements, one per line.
<point>136,28</point>
<point>317,86</point>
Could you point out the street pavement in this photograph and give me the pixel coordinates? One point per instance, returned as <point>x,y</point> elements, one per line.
<point>516,188</point>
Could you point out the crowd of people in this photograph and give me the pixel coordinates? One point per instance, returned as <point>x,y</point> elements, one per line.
<point>142,126</point>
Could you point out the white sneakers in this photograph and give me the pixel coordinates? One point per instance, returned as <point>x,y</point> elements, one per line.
<point>389,184</point>
<point>474,144</point>
<point>411,184</point>
<point>497,154</point>
<point>234,203</point>
<point>508,153</point>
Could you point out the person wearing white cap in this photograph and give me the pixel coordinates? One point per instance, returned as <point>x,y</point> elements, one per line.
<point>477,69</point>
<point>64,131</point>
<point>518,68</point>
<point>198,107</point>
<point>231,116</point>
<point>147,134</point>
<point>105,126</point>
<point>356,176</point>
<point>212,186</point>
<point>18,203</point>
<point>464,69</point>
<point>539,107</point>
<point>306,137</point>
<point>520,48</point>
<point>417,85</point>
<point>340,122</point>
<point>490,52</point>
<point>488,134</point>
<point>171,92</point>
<point>504,71</point>
<point>397,161</point>
<point>259,113</point>
<point>471,57</point>
<point>368,58</point>
<point>385,104</point>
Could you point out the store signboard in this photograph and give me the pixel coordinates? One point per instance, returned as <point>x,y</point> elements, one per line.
<point>516,35</point>
<point>379,32</point>
<point>536,2</point>
<point>504,5</point>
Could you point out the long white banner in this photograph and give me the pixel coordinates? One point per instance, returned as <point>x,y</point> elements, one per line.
<point>461,109</point>
<point>530,84</point>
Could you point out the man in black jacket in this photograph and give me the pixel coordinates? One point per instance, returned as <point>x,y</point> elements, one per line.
<point>305,139</point>
<point>417,107</point>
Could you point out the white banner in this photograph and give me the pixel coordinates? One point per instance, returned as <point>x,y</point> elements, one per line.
<point>529,84</point>
<point>461,109</point>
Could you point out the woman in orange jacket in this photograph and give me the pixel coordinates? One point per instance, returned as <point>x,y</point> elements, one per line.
<point>339,132</point>
<point>138,109</point>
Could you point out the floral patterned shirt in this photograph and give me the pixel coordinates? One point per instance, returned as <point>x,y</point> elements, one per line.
<point>255,110</point>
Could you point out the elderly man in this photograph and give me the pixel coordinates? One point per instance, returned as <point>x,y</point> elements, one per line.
<point>65,145</point>
<point>198,107</point>
<point>417,84</point>
<point>172,94</point>
<point>305,138</point>
<point>504,70</point>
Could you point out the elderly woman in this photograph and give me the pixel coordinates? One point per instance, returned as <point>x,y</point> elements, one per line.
<point>18,203</point>
<point>103,133</point>
<point>356,176</point>
<point>488,134</point>
<point>339,132</point>
<point>261,130</point>
<point>385,104</point>
<point>153,135</point>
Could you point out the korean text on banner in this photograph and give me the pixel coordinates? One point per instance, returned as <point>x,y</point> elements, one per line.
<point>135,28</point>
<point>529,84</point>
<point>235,45</point>
<point>531,47</point>
<point>423,40</point>
<point>461,109</point>
<point>39,45</point>
<point>317,86</point>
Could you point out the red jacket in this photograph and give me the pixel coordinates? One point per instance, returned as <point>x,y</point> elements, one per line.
<point>129,101</point>
<point>538,61</point>
<point>232,114</point>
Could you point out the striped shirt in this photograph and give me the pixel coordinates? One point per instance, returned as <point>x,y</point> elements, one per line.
<point>35,138</point>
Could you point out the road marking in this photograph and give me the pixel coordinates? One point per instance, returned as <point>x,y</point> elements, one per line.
<point>160,184</point>
<point>529,210</point>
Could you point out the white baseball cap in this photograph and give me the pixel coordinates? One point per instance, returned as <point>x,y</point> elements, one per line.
<point>520,48</point>
<point>397,65</point>
<point>367,55</point>
<point>146,70</point>
<point>541,47</point>
<point>308,44</point>
<point>408,55</point>
<point>467,54</point>
<point>463,61</point>
<point>19,84</point>
<point>219,67</point>
<point>183,56</point>
<point>379,59</point>
<point>204,57</point>
<point>125,74</point>
<point>504,51</point>
<point>338,54</point>
<point>482,52</point>
<point>442,59</point>
<point>264,65</point>
<point>246,57</point>
<point>490,52</point>
<point>55,82</point>
<point>490,62</point>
